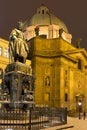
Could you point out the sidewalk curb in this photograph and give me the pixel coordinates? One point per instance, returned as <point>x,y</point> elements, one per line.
<point>58,127</point>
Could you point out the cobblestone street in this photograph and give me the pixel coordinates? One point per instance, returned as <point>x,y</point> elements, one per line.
<point>72,124</point>
<point>78,124</point>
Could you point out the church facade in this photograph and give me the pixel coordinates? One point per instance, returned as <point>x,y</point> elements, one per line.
<point>59,67</point>
<point>61,73</point>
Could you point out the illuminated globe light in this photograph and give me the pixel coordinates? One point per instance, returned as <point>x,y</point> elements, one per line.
<point>79,103</point>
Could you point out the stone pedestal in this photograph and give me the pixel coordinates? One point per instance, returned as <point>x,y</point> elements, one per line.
<point>19,85</point>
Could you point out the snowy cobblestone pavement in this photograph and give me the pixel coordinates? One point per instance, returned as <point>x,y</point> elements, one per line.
<point>72,124</point>
<point>78,124</point>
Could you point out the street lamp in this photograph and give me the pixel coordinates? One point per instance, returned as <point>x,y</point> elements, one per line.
<point>79,108</point>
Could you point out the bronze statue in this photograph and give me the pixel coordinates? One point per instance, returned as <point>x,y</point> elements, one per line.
<point>18,48</point>
<point>60,32</point>
<point>78,42</point>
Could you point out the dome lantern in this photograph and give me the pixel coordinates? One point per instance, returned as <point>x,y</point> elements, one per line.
<point>48,24</point>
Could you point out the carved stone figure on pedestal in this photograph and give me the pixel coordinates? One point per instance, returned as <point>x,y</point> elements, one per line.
<point>18,79</point>
<point>18,48</point>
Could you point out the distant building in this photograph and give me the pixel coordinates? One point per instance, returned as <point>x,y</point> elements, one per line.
<point>3,56</point>
<point>3,53</point>
<point>60,67</point>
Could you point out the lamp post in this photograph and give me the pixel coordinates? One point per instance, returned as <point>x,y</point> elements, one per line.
<point>79,108</point>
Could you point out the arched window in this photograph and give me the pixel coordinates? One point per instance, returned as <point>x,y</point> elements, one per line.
<point>42,11</point>
<point>80,64</point>
<point>66,97</point>
<point>43,36</point>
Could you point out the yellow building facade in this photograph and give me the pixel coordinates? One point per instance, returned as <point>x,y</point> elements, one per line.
<point>60,69</point>
<point>3,56</point>
<point>3,53</point>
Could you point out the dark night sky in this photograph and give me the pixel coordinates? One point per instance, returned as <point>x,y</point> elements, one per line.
<point>72,12</point>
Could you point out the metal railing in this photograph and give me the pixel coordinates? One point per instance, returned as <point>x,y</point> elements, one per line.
<point>32,119</point>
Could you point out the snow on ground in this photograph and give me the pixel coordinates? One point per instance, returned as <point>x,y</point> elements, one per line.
<point>79,124</point>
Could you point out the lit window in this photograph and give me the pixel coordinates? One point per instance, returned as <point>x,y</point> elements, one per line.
<point>0,51</point>
<point>6,52</point>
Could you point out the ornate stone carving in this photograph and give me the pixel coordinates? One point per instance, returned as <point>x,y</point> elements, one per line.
<point>18,49</point>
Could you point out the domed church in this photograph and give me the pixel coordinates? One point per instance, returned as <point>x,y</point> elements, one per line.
<point>60,68</point>
<point>48,25</point>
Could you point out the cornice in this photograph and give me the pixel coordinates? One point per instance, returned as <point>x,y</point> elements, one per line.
<point>82,50</point>
<point>3,40</point>
<point>53,54</point>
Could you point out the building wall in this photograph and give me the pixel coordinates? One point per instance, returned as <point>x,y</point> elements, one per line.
<point>3,53</point>
<point>57,60</point>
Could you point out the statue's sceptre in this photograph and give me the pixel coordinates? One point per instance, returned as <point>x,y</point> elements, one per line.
<point>37,31</point>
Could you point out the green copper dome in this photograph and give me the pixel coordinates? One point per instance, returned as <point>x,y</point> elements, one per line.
<point>44,17</point>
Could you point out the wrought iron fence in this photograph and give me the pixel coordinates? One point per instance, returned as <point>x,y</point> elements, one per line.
<point>32,119</point>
